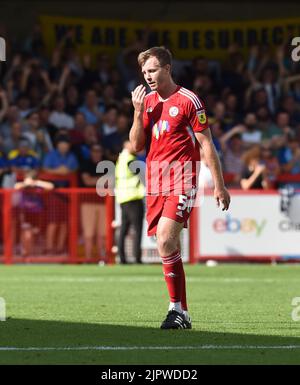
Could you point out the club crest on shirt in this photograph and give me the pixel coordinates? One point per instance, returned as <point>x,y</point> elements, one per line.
<point>173,111</point>
<point>150,109</point>
<point>201,116</point>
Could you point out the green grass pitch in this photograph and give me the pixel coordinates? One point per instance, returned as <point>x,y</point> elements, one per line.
<point>242,314</point>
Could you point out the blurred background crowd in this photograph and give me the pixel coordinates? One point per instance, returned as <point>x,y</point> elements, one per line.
<point>63,114</point>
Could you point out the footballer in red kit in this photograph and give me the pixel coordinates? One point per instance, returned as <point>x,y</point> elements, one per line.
<point>170,126</point>
<point>171,123</point>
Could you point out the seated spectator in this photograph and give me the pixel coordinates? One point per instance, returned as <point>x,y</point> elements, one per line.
<point>289,106</point>
<point>12,116</point>
<point>218,114</point>
<point>277,129</point>
<point>258,99</point>
<point>232,115</point>
<point>264,121</point>
<point>60,161</point>
<point>233,149</point>
<point>23,158</point>
<point>91,109</point>
<point>123,126</point>
<point>76,135</point>
<point>271,163</point>
<point>44,114</point>
<point>110,138</point>
<point>58,117</point>
<point>38,136</point>
<point>289,156</point>
<point>23,104</point>
<point>254,173</point>
<point>72,100</point>
<point>12,140</point>
<point>3,167</point>
<point>251,134</point>
<point>93,206</point>
<point>90,137</point>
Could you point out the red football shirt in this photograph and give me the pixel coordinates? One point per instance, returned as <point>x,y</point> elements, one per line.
<point>173,153</point>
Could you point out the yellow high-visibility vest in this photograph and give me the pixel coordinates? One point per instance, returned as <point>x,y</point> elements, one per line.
<point>128,185</point>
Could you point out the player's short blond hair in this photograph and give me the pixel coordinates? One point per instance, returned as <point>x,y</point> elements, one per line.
<point>162,54</point>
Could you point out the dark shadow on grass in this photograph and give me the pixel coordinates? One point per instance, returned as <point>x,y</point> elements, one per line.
<point>24,333</point>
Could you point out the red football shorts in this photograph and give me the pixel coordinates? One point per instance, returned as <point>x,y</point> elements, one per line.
<point>176,207</point>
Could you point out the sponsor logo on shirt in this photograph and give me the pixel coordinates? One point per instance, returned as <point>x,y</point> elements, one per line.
<point>173,111</point>
<point>160,128</point>
<point>201,116</point>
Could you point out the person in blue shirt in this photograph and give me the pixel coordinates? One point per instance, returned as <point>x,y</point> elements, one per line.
<point>91,109</point>
<point>23,158</point>
<point>61,161</point>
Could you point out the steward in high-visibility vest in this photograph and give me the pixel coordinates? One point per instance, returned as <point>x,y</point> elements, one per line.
<point>128,185</point>
<point>130,193</point>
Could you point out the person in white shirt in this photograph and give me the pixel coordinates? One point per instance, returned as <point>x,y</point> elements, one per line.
<point>58,117</point>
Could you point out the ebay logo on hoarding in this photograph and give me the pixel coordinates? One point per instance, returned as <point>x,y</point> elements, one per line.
<point>235,225</point>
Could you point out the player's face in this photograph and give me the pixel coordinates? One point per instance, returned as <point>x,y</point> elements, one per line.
<point>155,75</point>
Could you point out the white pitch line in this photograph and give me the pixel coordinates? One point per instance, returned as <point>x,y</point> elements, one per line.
<point>142,279</point>
<point>113,348</point>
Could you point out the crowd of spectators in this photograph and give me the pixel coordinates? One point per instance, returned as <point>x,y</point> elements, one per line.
<point>54,110</point>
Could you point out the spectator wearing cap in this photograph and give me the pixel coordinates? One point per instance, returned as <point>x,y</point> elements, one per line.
<point>61,161</point>
<point>23,158</point>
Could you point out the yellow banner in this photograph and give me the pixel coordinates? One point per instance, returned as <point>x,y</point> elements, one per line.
<point>186,40</point>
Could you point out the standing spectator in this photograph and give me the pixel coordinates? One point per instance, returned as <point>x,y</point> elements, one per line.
<point>60,161</point>
<point>129,194</point>
<point>31,206</point>
<point>92,206</point>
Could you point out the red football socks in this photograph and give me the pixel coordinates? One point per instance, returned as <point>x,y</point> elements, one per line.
<point>175,278</point>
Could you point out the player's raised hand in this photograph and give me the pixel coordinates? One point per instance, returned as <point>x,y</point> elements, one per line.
<point>222,196</point>
<point>138,96</point>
